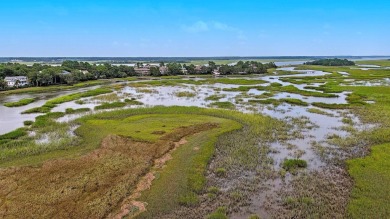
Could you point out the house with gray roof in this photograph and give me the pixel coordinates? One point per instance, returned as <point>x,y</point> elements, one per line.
<point>18,81</point>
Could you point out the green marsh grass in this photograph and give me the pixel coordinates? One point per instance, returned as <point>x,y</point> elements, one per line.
<point>371,193</point>
<point>367,151</point>
<point>50,104</point>
<point>110,105</point>
<point>75,111</point>
<point>275,102</point>
<point>133,101</point>
<point>111,97</point>
<point>14,134</point>
<point>220,213</point>
<point>22,102</point>
<point>185,94</point>
<point>294,101</point>
<point>55,88</point>
<point>331,105</point>
<point>318,111</point>
<point>223,105</point>
<point>293,164</point>
<point>28,123</point>
<point>382,63</point>
<point>215,97</point>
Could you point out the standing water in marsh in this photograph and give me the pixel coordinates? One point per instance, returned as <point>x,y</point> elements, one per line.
<point>12,118</point>
<point>306,124</point>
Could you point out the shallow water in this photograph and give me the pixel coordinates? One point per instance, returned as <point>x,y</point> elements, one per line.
<point>11,117</point>
<point>316,127</point>
<point>322,125</point>
<point>167,96</point>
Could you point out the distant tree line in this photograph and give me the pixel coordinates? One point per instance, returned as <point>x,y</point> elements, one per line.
<point>331,62</point>
<point>249,67</point>
<point>71,72</point>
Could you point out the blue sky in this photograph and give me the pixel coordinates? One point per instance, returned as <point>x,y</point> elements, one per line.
<point>194,27</point>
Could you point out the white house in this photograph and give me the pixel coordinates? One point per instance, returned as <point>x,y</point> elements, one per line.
<point>18,81</point>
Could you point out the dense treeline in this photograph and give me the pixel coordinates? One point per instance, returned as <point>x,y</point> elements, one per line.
<point>71,72</point>
<point>249,67</point>
<point>331,62</point>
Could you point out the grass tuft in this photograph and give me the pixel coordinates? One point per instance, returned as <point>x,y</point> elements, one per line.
<point>293,164</point>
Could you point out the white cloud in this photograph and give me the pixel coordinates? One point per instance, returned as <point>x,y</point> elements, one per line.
<point>221,26</point>
<point>197,27</point>
<point>201,26</point>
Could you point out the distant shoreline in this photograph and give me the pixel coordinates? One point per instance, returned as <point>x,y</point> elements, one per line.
<point>195,60</point>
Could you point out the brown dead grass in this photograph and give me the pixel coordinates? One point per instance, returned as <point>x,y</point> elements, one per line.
<point>130,207</point>
<point>90,186</point>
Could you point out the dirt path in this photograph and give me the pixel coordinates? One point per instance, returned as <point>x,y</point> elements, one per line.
<point>130,206</point>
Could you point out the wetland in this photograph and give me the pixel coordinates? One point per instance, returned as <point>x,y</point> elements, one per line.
<point>301,141</point>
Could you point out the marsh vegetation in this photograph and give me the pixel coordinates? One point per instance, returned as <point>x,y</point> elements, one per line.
<point>298,143</point>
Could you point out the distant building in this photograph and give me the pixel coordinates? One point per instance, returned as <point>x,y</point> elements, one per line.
<point>142,71</point>
<point>216,72</point>
<point>18,81</point>
<point>198,68</point>
<point>163,70</point>
<point>65,73</point>
<point>84,71</point>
